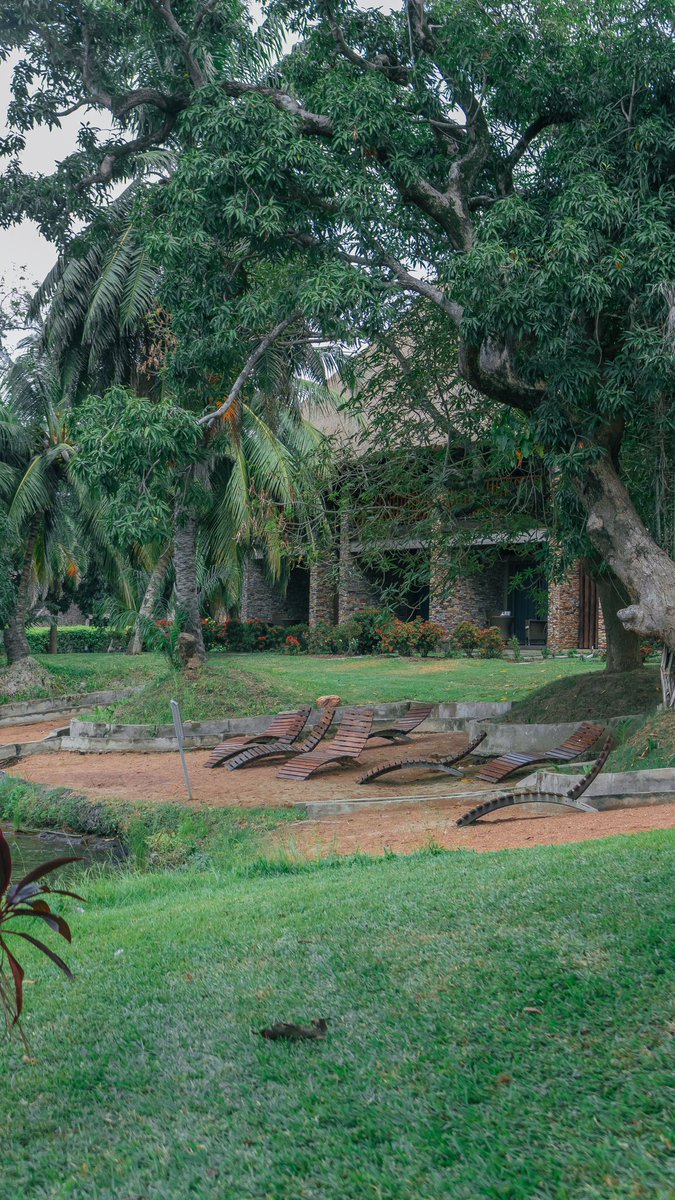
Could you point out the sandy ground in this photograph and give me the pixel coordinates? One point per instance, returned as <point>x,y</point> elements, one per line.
<point>401,828</point>
<point>409,827</point>
<point>11,734</point>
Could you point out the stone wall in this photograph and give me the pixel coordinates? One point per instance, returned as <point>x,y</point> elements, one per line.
<point>563,612</point>
<point>355,591</point>
<point>472,598</point>
<point>322,593</point>
<point>265,601</point>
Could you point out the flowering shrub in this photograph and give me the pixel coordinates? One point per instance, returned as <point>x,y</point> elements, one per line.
<point>292,645</point>
<point>365,628</point>
<point>411,637</point>
<point>248,636</point>
<point>466,637</point>
<point>490,643</point>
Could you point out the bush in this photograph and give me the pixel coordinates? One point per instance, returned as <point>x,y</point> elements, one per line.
<point>245,637</point>
<point>490,643</point>
<point>365,628</point>
<point>327,639</point>
<point>412,637</point>
<point>72,639</point>
<point>466,638</point>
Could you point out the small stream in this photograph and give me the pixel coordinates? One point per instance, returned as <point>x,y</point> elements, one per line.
<point>32,848</point>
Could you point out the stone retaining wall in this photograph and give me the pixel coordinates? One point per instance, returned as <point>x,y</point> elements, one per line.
<point>29,712</point>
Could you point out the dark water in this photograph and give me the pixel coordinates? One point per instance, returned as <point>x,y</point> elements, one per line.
<point>30,849</point>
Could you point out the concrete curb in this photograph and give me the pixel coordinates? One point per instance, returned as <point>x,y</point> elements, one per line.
<point>30,712</point>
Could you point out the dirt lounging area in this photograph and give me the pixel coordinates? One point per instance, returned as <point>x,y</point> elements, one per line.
<point>10,735</point>
<point>401,828</point>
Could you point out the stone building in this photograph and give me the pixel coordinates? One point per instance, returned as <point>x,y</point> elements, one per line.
<point>508,591</point>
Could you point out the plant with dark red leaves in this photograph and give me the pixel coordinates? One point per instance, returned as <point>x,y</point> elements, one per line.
<point>26,899</point>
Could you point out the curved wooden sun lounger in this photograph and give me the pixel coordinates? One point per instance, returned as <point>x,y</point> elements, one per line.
<point>349,741</point>
<point>446,765</point>
<point>580,741</point>
<point>284,727</point>
<point>401,729</point>
<point>256,752</point>
<point>569,799</point>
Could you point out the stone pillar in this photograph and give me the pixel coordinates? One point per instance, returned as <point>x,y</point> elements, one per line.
<point>322,589</point>
<point>257,600</point>
<point>354,590</point>
<point>563,612</point>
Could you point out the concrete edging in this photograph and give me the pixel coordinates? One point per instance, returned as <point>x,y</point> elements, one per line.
<point>30,712</point>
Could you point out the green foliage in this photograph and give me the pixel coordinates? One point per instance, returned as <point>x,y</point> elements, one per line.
<point>246,636</point>
<point>412,637</point>
<point>72,639</point>
<point>134,464</point>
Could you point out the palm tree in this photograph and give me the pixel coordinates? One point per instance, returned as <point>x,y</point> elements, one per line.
<point>53,517</point>
<point>259,466</point>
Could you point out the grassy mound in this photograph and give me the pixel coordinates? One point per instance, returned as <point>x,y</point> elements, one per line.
<point>498,1027</point>
<point>651,744</point>
<point>219,689</point>
<point>592,695</point>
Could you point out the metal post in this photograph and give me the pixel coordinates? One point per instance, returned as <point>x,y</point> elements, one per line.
<point>180,738</point>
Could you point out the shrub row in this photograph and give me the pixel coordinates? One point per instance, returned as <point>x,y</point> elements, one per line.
<point>247,636</point>
<point>376,631</point>
<point>486,643</point>
<point>72,639</point>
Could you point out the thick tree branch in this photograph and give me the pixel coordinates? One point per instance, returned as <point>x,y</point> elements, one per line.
<point>165,11</point>
<point>115,153</point>
<point>248,369</point>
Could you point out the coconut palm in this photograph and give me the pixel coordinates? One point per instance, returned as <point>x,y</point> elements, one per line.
<point>52,516</point>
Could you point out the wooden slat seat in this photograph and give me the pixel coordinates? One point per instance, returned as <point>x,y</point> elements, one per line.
<point>284,727</point>
<point>349,742</point>
<point>256,752</point>
<point>580,742</point>
<point>400,729</point>
<point>446,765</point>
<point>568,799</point>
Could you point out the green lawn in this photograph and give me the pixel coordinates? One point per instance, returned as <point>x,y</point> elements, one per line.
<point>435,1081</point>
<point>368,680</point>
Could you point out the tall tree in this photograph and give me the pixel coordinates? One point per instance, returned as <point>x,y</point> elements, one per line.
<point>512,165</point>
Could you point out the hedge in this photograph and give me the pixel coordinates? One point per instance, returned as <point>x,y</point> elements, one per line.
<point>72,639</point>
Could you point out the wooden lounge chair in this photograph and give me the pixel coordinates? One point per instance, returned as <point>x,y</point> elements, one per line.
<point>401,729</point>
<point>285,727</point>
<point>349,741</point>
<point>256,752</point>
<point>446,765</point>
<point>569,799</point>
<point>581,741</point>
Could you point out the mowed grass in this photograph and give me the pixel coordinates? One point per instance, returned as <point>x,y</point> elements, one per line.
<point>498,1028</point>
<point>377,678</point>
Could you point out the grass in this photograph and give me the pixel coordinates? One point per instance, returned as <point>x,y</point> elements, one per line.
<point>250,684</point>
<point>369,680</point>
<point>220,689</point>
<point>99,672</point>
<point>154,835</point>
<point>596,695</point>
<point>648,744</point>
<point>498,1028</point>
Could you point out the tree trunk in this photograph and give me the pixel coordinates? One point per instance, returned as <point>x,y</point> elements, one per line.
<point>185,564</point>
<point>14,636</point>
<point>646,572</point>
<point>623,646</point>
<point>53,638</point>
<point>150,598</point>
